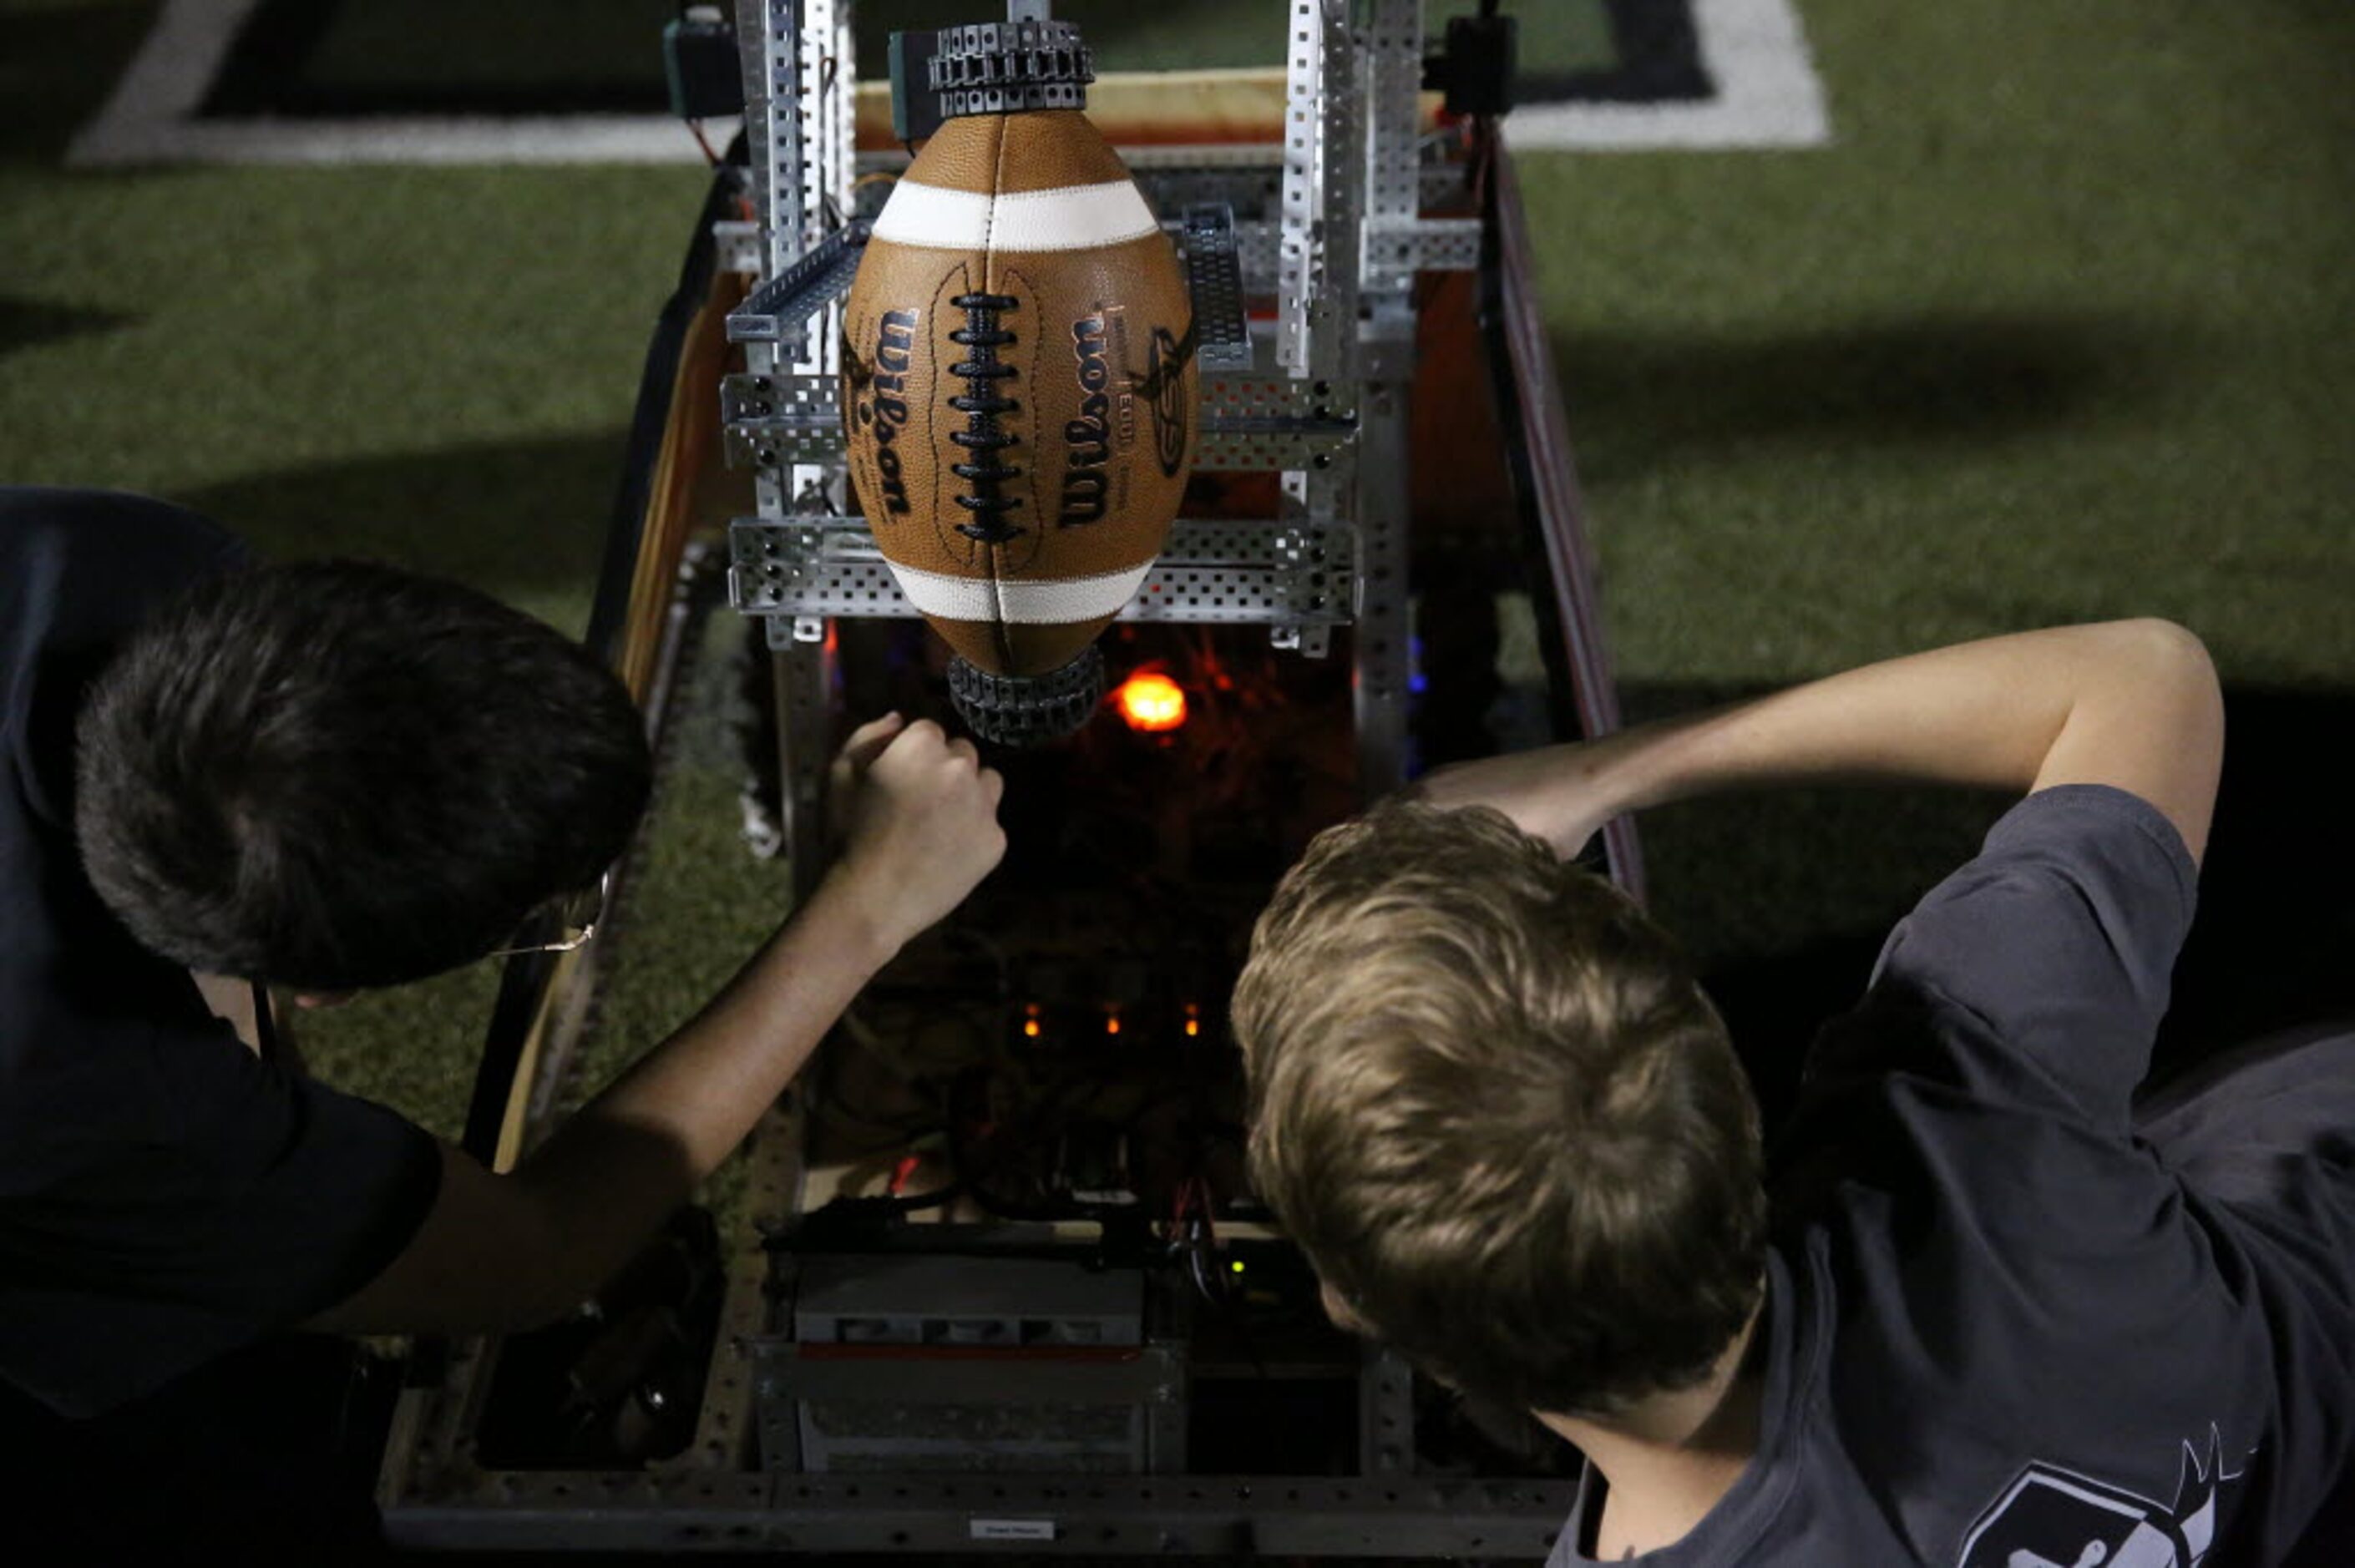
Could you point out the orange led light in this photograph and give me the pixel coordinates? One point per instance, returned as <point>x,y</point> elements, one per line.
<point>1111,1025</point>
<point>1193,1026</point>
<point>1151,702</point>
<point>1030,1027</point>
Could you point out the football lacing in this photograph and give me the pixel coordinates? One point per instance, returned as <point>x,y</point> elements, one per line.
<point>981,371</point>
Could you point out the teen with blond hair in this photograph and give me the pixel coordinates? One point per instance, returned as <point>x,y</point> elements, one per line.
<point>1980,1306</point>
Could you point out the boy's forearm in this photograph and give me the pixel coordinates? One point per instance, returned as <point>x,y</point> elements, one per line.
<point>2128,703</point>
<point>504,1252</point>
<point>507,1251</point>
<point>633,1154</point>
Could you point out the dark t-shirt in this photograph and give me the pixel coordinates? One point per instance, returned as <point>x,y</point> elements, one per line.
<point>2003,1330</point>
<point>165,1196</point>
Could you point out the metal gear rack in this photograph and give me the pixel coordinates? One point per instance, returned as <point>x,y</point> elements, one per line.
<point>1328,224</point>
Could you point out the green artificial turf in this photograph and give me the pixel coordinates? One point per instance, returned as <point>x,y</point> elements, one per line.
<point>2062,325</point>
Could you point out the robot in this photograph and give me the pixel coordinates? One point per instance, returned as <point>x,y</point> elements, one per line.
<point>995,1276</point>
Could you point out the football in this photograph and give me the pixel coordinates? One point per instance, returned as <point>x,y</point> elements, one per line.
<point>1019,386</point>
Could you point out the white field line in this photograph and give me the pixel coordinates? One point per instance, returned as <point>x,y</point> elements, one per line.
<point>1768,96</point>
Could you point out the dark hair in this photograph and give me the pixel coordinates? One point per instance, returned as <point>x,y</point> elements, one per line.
<point>1492,1107</point>
<point>332,775</point>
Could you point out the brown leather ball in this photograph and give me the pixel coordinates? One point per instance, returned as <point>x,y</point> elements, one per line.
<point>1019,390</point>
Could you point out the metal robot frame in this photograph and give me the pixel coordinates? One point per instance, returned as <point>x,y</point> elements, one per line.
<point>1329,223</point>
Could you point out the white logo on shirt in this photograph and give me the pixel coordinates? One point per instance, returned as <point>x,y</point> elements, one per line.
<point>2052,1518</point>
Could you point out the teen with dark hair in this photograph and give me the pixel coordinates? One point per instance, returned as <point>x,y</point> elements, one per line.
<point>334,775</point>
<point>328,777</point>
<point>2003,1314</point>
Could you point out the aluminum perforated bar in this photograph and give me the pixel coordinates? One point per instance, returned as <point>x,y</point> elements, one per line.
<point>1273,423</point>
<point>1295,574</point>
<point>839,163</point>
<point>775,418</point>
<point>824,84</point>
<point>1254,424</point>
<point>1394,240</point>
<point>779,311</point>
<point>1391,61</point>
<point>1397,248</point>
<point>1342,137</point>
<point>1301,303</point>
<point>768,34</point>
<point>1083,1518</point>
<point>1214,278</point>
<point>739,243</point>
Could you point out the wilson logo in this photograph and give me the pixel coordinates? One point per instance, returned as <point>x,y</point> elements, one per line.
<point>885,411</point>
<point>1088,438</point>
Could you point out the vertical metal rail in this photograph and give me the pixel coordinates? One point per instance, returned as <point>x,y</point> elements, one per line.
<point>1326,338</point>
<point>1302,351</point>
<point>799,74</point>
<point>1379,290</point>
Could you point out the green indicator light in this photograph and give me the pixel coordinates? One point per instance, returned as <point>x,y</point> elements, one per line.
<point>1237,1265</point>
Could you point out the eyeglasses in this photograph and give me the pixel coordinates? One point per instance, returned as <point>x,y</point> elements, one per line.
<point>574,915</point>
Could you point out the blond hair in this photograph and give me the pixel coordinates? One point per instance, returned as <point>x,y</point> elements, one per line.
<point>1492,1105</point>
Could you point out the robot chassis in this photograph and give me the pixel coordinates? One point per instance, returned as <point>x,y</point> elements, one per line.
<point>1332,228</point>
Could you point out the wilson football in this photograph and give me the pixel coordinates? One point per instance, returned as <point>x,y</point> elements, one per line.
<point>1019,387</point>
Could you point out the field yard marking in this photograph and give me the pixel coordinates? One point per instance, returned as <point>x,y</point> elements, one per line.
<point>151,118</point>
<point>163,84</point>
<point>1768,95</point>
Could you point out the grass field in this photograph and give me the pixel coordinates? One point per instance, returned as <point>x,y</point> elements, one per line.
<point>2061,325</point>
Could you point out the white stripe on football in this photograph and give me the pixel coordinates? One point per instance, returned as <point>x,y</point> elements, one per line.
<point>1048,603</point>
<point>1075,218</point>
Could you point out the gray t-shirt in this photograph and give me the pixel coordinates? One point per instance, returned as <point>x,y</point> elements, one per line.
<point>2004,1329</point>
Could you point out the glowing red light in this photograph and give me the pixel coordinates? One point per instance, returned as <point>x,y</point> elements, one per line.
<point>1151,702</point>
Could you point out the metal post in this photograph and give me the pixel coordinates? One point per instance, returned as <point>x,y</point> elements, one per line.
<point>1379,179</point>
<point>799,76</point>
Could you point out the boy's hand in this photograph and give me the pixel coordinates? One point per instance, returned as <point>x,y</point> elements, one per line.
<point>1554,793</point>
<point>919,815</point>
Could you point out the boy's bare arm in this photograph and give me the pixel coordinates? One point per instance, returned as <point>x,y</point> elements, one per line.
<point>2132,703</point>
<point>507,1251</point>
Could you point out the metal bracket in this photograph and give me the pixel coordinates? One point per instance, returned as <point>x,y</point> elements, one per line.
<point>776,418</point>
<point>1395,250</point>
<point>1250,423</point>
<point>779,311</point>
<point>1255,423</point>
<point>1214,276</point>
<point>1290,574</point>
<point>738,244</point>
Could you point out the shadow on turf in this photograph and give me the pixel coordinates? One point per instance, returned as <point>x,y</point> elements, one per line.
<point>1641,398</point>
<point>28,323</point>
<point>1786,898</point>
<point>525,520</point>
